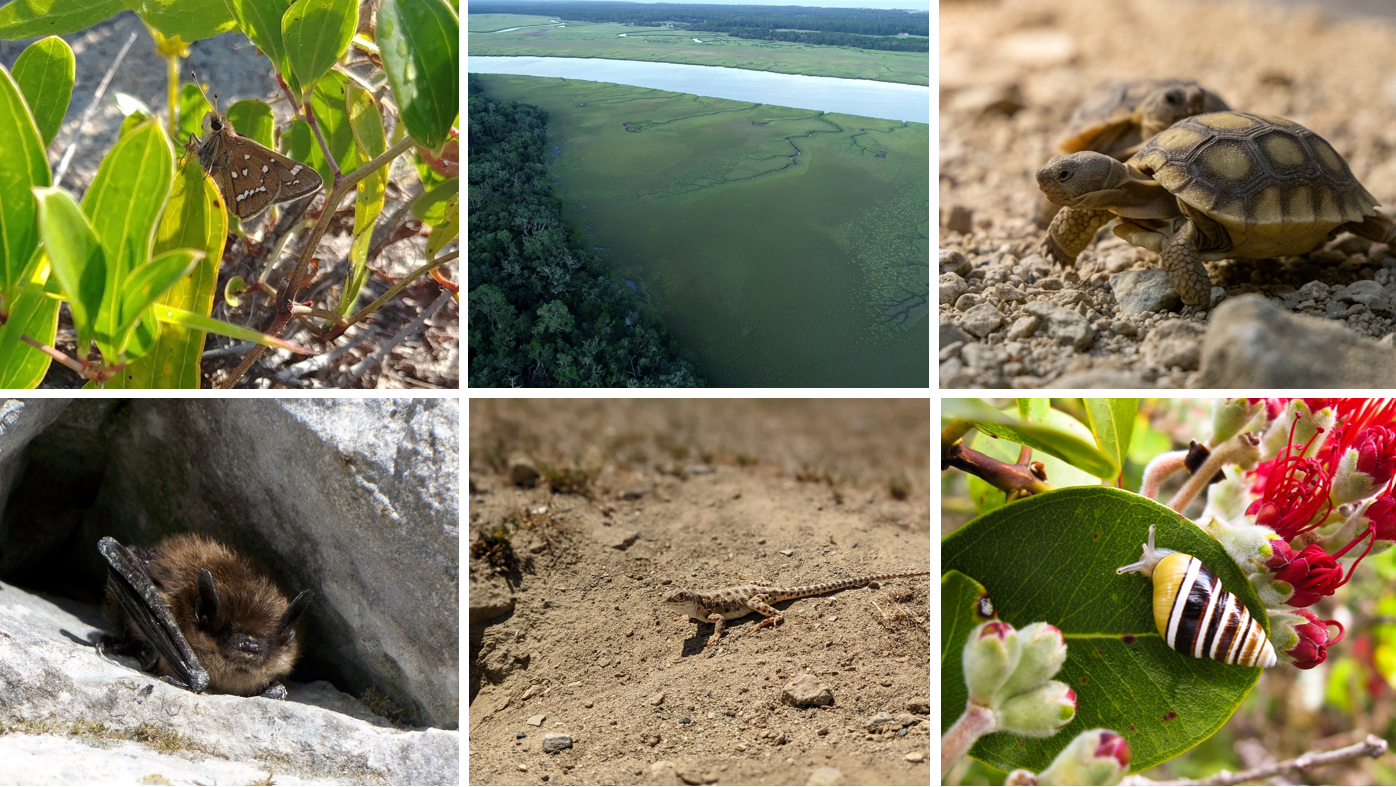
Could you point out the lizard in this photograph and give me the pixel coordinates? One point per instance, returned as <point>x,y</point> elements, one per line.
<point>738,601</point>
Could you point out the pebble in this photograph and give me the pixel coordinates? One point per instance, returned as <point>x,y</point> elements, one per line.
<point>915,756</point>
<point>555,742</point>
<point>825,777</point>
<point>657,699</point>
<point>536,721</point>
<point>982,320</point>
<point>954,261</point>
<point>1148,290</point>
<point>951,333</point>
<point>960,219</point>
<point>952,286</point>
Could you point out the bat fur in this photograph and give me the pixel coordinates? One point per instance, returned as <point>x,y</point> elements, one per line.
<point>238,628</point>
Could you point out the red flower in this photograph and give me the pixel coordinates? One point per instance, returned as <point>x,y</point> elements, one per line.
<point>1313,573</point>
<point>1294,490</point>
<point>1376,453</point>
<point>1312,649</point>
<point>1381,517</point>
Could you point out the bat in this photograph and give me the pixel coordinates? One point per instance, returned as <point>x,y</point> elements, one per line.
<point>201,616</point>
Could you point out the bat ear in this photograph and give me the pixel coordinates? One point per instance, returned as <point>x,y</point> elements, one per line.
<point>293,613</point>
<point>207,610</point>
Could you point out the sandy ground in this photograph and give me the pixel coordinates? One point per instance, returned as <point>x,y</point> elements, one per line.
<point>1011,73</point>
<point>699,494</point>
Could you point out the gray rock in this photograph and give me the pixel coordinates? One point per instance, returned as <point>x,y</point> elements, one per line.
<point>984,357</point>
<point>317,734</point>
<point>960,219</point>
<point>1369,294</point>
<point>1100,378</point>
<point>951,333</point>
<point>953,374</point>
<point>954,261</point>
<point>825,777</point>
<point>948,351</point>
<point>967,301</point>
<point>555,742</point>
<point>1174,343</point>
<point>1147,290</point>
<point>881,719</point>
<point>982,320</point>
<point>1251,343</point>
<point>1069,328</point>
<point>806,690</point>
<point>951,288</point>
<point>1024,327</point>
<point>356,498</point>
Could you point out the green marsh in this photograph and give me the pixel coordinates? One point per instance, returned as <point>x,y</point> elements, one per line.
<point>780,246</point>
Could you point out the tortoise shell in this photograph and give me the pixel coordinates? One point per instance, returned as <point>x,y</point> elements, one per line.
<point>1109,120</point>
<point>1275,186</point>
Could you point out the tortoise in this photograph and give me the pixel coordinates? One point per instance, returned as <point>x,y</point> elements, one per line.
<point>1222,185</point>
<point>1119,117</point>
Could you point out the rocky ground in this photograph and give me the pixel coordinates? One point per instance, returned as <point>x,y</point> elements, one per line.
<point>570,648</point>
<point>1011,72</point>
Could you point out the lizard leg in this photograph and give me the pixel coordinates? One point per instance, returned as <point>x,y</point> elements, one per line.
<point>719,626</point>
<point>773,616</point>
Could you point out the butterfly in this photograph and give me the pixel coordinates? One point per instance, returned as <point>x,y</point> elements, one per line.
<point>251,177</point>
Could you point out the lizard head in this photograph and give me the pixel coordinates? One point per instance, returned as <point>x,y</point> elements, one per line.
<point>681,602</point>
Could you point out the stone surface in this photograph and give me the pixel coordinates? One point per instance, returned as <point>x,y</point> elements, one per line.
<point>1174,343</point>
<point>807,690</point>
<point>1147,290</point>
<point>982,320</point>
<point>1251,343</point>
<point>1069,328</point>
<point>317,735</point>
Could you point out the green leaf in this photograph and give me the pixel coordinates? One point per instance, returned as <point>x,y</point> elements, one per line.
<point>433,207</point>
<point>1033,410</point>
<point>367,126</point>
<point>253,119</point>
<point>1055,442</point>
<point>316,33</point>
<point>193,219</point>
<point>33,313</point>
<point>420,44</point>
<point>260,21</point>
<point>44,72</point>
<point>172,316</point>
<point>190,20</point>
<point>22,167</point>
<point>959,614</point>
<point>1112,422</point>
<point>1052,558</point>
<point>448,230</point>
<point>151,280</point>
<point>329,103</point>
<point>193,105</point>
<point>30,18</point>
<point>78,259</point>
<point>123,204</point>
<point>1060,474</point>
<point>128,193</point>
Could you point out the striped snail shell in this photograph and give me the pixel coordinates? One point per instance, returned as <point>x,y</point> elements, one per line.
<point>1195,615</point>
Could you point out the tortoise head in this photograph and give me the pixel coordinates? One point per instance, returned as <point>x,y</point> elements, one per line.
<point>1067,179</point>
<point>1165,107</point>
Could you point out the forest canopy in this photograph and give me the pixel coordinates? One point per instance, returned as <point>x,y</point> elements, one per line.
<point>752,20</point>
<point>543,312</point>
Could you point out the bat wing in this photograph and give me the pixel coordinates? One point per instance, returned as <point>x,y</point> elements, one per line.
<point>130,583</point>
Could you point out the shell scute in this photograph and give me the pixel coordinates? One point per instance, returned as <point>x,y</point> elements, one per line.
<point>1272,182</point>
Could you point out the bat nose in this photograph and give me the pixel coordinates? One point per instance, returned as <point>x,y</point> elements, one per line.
<point>248,645</point>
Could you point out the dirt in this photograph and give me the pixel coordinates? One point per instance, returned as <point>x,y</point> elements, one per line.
<point>638,497</point>
<point>1011,72</point>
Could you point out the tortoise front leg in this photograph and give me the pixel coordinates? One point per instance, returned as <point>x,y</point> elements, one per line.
<point>1378,227</point>
<point>1185,270</point>
<point>1071,232</point>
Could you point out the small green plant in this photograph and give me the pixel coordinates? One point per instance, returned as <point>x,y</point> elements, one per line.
<point>137,260</point>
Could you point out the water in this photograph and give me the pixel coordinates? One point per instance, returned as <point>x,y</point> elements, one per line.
<point>862,97</point>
